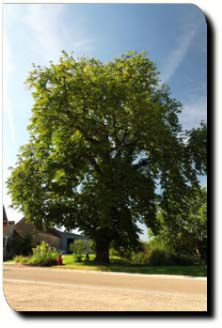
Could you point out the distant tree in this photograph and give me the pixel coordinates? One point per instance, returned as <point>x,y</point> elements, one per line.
<point>102,136</point>
<point>79,248</point>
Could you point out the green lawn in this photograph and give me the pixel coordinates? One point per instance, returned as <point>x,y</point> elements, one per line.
<point>120,265</point>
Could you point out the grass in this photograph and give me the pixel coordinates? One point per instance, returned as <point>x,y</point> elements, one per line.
<point>121,265</point>
<point>9,262</point>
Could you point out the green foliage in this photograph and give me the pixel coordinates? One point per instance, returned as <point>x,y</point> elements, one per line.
<point>188,239</point>
<point>92,246</point>
<point>157,253</point>
<point>126,266</point>
<point>79,247</point>
<point>159,257</point>
<point>140,258</point>
<point>101,136</point>
<point>21,259</point>
<point>43,254</point>
<point>197,147</point>
<point>113,252</point>
<point>122,252</point>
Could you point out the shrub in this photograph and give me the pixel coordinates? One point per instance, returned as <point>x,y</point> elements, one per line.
<point>79,247</point>
<point>21,259</point>
<point>43,254</point>
<point>113,252</point>
<point>184,259</point>
<point>92,246</point>
<point>143,255</point>
<point>124,253</point>
<point>154,255</point>
<point>140,258</point>
<point>160,257</point>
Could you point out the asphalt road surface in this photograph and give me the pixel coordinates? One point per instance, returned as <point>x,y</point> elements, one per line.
<point>47,289</point>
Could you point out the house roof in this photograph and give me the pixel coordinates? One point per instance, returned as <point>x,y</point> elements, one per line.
<point>54,232</point>
<point>60,233</point>
<point>24,228</point>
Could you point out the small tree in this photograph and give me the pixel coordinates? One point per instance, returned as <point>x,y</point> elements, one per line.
<point>79,248</point>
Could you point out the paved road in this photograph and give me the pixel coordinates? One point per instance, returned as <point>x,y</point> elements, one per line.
<point>47,289</point>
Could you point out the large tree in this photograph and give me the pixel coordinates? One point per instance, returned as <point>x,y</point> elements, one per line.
<point>103,136</point>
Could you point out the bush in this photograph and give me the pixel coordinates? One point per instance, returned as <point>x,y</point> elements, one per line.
<point>140,258</point>
<point>157,255</point>
<point>122,252</point>
<point>79,247</point>
<point>21,259</point>
<point>43,254</point>
<point>184,259</point>
<point>153,257</point>
<point>160,257</point>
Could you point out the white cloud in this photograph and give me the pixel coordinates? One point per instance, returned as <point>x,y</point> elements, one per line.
<point>50,35</point>
<point>83,44</point>
<point>42,23</point>
<point>177,55</point>
<point>193,113</point>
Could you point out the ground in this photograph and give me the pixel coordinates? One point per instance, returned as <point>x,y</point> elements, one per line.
<point>51,289</point>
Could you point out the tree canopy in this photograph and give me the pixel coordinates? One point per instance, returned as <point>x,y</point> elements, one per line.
<point>197,147</point>
<point>190,237</point>
<point>103,138</point>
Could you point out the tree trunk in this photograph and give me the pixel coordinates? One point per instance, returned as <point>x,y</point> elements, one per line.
<point>197,250</point>
<point>102,252</point>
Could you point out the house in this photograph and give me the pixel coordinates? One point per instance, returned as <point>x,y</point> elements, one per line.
<point>8,230</point>
<point>61,240</point>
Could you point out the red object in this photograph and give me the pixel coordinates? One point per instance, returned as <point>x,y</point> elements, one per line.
<point>59,259</point>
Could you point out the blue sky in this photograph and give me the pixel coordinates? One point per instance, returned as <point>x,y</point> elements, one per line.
<point>174,37</point>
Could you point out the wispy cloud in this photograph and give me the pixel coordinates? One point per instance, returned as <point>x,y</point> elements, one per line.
<point>175,58</point>
<point>83,44</point>
<point>50,34</point>
<point>42,22</point>
<point>193,113</point>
